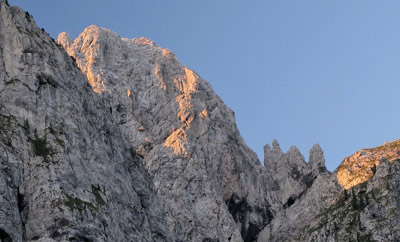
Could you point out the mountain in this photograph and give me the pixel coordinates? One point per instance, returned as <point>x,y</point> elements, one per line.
<point>359,201</point>
<point>210,183</point>
<point>365,212</point>
<point>66,170</point>
<point>104,138</point>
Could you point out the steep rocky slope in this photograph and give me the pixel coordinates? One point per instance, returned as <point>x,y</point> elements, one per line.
<point>211,184</point>
<point>122,142</point>
<point>366,212</point>
<point>359,201</point>
<point>66,170</point>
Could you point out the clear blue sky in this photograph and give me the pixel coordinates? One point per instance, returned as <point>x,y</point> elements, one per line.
<point>303,72</point>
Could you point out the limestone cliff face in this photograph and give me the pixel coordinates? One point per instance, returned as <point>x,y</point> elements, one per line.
<point>122,142</point>
<point>67,172</point>
<point>211,184</point>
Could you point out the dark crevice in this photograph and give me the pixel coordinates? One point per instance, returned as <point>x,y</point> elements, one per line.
<point>59,223</point>
<point>293,199</point>
<point>295,173</point>
<point>23,209</point>
<point>210,240</point>
<point>21,204</point>
<point>252,233</point>
<point>80,238</point>
<point>4,236</point>
<point>238,208</point>
<point>241,212</point>
<point>45,79</point>
<point>322,169</point>
<point>290,202</point>
<point>309,179</point>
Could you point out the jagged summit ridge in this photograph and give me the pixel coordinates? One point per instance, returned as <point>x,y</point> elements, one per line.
<point>274,154</point>
<point>302,189</point>
<point>291,173</point>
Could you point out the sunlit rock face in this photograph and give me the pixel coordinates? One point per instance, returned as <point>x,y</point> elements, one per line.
<point>211,184</point>
<point>360,166</point>
<point>67,172</point>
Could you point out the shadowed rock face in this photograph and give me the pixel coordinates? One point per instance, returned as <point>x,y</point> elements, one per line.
<point>301,188</point>
<point>66,170</point>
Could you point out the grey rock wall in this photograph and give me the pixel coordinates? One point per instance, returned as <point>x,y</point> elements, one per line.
<point>303,189</point>
<point>110,139</point>
<point>210,183</point>
<point>366,212</point>
<point>67,172</point>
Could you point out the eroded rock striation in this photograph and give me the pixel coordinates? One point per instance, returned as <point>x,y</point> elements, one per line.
<point>209,181</point>
<point>67,172</point>
<point>104,138</point>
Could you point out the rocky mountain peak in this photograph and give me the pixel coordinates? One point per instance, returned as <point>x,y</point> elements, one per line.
<point>143,41</point>
<point>294,155</point>
<point>275,146</point>
<point>292,174</point>
<point>276,159</point>
<point>187,137</point>
<point>317,160</point>
<point>95,32</point>
<point>64,40</point>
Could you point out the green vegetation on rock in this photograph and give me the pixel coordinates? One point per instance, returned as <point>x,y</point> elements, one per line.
<point>41,148</point>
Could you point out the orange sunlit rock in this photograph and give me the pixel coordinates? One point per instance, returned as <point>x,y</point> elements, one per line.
<point>97,84</point>
<point>168,53</point>
<point>176,140</point>
<point>203,114</point>
<point>358,168</point>
<point>157,73</point>
<point>187,85</point>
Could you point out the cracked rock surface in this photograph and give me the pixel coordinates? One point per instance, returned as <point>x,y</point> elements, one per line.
<point>104,138</point>
<point>210,183</point>
<point>67,172</point>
